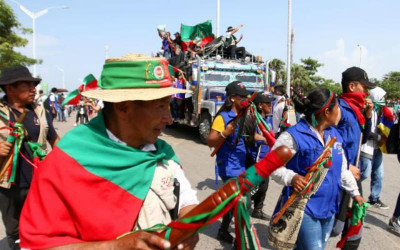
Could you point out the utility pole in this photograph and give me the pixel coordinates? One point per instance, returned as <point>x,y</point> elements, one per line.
<point>289,48</point>
<point>218,15</point>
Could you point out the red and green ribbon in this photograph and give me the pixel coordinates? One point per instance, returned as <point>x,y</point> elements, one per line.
<point>245,233</point>
<point>16,137</point>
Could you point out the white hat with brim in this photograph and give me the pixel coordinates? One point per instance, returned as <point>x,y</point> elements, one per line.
<point>135,77</point>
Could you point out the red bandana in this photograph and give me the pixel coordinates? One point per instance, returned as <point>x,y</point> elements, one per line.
<point>356,103</point>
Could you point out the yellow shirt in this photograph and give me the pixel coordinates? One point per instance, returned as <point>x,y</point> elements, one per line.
<point>218,124</point>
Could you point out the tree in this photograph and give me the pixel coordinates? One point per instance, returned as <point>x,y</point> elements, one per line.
<point>9,39</point>
<point>279,67</point>
<point>331,85</point>
<point>391,84</point>
<point>311,66</point>
<point>299,77</point>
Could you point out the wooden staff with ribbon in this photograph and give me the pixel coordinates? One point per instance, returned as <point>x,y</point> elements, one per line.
<point>15,138</point>
<point>230,196</point>
<point>308,177</point>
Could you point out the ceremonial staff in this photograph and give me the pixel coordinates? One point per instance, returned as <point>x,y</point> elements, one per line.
<point>17,132</point>
<point>244,104</point>
<point>308,177</point>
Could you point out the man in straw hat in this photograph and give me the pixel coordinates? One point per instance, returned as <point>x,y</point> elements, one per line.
<point>15,176</point>
<point>124,180</point>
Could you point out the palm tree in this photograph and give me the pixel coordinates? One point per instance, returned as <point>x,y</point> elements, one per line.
<point>279,67</point>
<point>300,78</point>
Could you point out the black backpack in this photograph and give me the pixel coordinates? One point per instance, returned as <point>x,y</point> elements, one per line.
<point>46,104</point>
<point>393,140</point>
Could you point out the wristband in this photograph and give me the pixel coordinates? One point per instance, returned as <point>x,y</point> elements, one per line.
<point>222,135</point>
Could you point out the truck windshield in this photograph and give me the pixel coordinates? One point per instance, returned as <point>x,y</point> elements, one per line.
<point>217,77</point>
<point>248,78</point>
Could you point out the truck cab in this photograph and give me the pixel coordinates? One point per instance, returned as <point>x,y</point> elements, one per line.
<point>209,79</point>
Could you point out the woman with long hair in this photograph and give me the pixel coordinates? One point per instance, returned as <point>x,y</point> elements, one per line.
<point>231,157</point>
<point>307,140</point>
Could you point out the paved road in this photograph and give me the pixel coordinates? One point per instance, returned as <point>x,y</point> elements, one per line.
<point>199,168</point>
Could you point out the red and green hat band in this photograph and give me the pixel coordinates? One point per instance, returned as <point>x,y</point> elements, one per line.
<point>135,74</point>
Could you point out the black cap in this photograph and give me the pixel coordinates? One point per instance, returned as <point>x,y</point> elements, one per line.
<point>355,74</point>
<point>236,88</point>
<point>17,74</point>
<point>263,98</point>
<point>230,28</point>
<point>177,33</point>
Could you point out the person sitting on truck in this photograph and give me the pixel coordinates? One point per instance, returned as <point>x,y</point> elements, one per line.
<point>231,42</point>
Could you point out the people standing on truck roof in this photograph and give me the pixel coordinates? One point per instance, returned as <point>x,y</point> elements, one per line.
<point>231,157</point>
<point>177,44</point>
<point>231,42</point>
<point>166,44</point>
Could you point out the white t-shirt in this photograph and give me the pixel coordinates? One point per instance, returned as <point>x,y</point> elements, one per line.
<point>277,114</point>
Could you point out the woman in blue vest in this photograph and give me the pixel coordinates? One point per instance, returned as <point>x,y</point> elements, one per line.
<point>263,102</point>
<point>307,140</point>
<point>231,157</point>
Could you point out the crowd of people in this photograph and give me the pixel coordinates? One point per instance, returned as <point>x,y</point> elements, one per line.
<point>127,182</point>
<point>352,118</point>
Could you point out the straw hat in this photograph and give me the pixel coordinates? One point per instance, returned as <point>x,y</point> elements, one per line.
<point>134,77</point>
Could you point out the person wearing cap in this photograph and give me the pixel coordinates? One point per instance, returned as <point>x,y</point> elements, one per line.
<point>230,44</point>
<point>124,181</point>
<point>177,44</point>
<point>231,157</point>
<point>371,158</point>
<point>263,103</point>
<point>354,126</point>
<point>20,89</point>
<point>279,111</point>
<point>307,140</point>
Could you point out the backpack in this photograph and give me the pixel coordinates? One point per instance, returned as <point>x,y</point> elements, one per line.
<point>393,140</point>
<point>46,104</point>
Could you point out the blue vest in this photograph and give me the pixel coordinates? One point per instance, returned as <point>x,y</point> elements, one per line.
<point>231,157</point>
<point>350,131</point>
<point>325,202</point>
<point>262,148</point>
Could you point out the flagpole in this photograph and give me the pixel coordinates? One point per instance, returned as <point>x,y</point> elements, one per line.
<point>289,47</point>
<point>218,16</point>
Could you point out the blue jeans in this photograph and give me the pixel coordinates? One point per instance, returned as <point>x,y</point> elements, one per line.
<point>314,233</point>
<point>373,167</point>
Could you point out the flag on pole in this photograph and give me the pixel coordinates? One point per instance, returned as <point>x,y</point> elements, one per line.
<point>89,83</point>
<point>200,34</point>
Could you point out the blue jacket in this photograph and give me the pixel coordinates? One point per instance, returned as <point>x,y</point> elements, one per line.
<point>325,202</point>
<point>350,131</point>
<point>231,157</point>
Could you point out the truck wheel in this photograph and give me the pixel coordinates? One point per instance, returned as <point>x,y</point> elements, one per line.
<point>204,127</point>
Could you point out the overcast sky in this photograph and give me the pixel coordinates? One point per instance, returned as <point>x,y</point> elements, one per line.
<point>74,39</point>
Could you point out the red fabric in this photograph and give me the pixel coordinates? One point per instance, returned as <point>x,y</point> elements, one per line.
<point>93,209</point>
<point>387,113</point>
<point>353,230</point>
<point>204,41</point>
<point>268,164</point>
<point>356,103</point>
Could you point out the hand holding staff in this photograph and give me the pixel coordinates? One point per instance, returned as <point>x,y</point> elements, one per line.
<point>7,160</point>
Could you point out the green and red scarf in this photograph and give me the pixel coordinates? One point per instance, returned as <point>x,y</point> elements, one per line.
<point>88,188</point>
